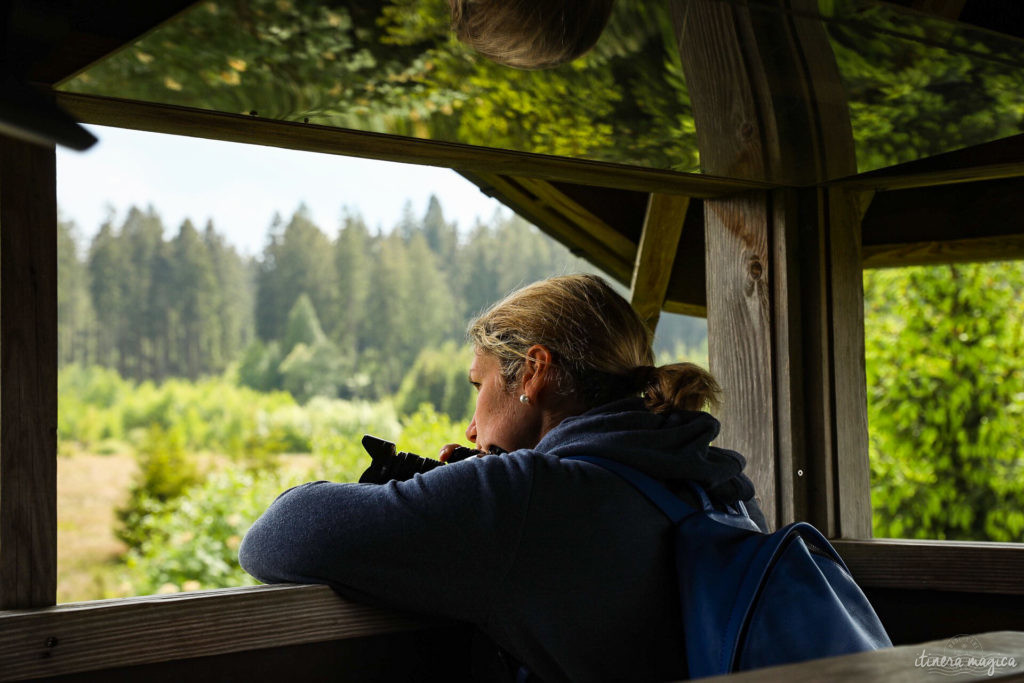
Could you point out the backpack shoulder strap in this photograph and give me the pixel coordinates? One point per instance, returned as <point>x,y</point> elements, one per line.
<point>674,508</point>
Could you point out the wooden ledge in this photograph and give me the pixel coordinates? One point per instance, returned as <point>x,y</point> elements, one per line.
<point>89,636</point>
<point>936,565</point>
<point>1001,653</point>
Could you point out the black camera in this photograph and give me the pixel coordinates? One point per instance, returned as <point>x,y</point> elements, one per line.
<point>388,463</point>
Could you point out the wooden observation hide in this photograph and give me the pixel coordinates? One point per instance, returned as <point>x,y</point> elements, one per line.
<point>767,237</point>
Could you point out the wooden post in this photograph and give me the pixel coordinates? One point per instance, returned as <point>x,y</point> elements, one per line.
<point>28,375</point>
<point>783,267</point>
<point>659,242</point>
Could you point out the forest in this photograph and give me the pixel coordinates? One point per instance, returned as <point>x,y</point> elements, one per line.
<point>342,317</point>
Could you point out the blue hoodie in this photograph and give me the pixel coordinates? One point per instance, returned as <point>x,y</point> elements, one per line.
<point>561,563</point>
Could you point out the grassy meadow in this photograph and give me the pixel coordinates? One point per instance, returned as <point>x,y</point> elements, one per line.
<point>158,483</point>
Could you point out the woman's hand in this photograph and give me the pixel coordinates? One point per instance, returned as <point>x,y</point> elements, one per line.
<point>459,452</point>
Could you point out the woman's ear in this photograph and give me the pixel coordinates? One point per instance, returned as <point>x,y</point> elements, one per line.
<point>537,371</point>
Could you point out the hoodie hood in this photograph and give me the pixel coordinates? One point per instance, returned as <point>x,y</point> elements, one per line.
<point>671,446</point>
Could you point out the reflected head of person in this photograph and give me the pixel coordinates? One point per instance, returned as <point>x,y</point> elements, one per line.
<point>562,565</point>
<point>530,34</point>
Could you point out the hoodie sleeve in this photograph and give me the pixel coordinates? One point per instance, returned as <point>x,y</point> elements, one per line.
<point>436,543</point>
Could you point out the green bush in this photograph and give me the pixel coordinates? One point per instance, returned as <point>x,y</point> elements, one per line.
<point>945,377</point>
<point>191,542</point>
<point>439,378</point>
<point>165,472</point>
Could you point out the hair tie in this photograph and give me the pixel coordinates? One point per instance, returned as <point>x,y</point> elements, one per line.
<point>641,376</point>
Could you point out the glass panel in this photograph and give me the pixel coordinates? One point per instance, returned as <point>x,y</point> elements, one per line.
<point>916,85</point>
<point>393,67</point>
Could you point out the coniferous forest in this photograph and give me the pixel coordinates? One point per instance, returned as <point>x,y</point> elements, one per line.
<point>341,316</point>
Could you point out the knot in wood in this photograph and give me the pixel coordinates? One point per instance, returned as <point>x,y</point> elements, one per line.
<point>51,642</point>
<point>754,268</point>
<point>747,130</point>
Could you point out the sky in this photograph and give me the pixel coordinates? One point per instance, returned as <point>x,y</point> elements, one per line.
<point>241,186</point>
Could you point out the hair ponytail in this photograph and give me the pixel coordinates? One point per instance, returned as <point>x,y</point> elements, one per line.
<point>680,386</point>
<point>601,349</point>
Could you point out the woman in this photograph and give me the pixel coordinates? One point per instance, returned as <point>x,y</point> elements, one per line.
<point>561,563</point>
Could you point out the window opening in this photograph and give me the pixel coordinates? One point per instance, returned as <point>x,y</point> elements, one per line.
<point>945,376</point>
<point>232,324</point>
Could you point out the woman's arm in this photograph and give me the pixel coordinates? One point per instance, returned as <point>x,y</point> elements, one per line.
<point>437,543</point>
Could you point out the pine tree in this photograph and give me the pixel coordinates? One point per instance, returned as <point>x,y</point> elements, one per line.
<point>107,273</point>
<point>352,254</point>
<point>74,306</point>
<point>296,261</point>
<point>195,301</point>
<point>441,235</point>
<point>143,236</point>
<point>234,313</point>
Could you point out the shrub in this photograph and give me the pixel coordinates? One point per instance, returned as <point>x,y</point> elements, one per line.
<point>191,542</point>
<point>438,377</point>
<point>165,472</point>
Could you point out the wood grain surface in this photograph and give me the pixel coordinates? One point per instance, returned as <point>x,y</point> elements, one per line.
<point>905,664</point>
<point>161,118</point>
<point>740,333</point>
<point>613,254</point>
<point>656,254</point>
<point>849,378</point>
<point>112,633</point>
<point>986,161</point>
<point>28,375</point>
<point>936,565</point>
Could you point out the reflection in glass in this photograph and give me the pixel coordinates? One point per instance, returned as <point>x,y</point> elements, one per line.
<point>393,67</point>
<point>919,86</point>
<point>916,85</point>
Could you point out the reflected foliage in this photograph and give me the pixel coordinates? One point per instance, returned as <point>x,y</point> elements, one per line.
<point>915,87</point>
<point>393,67</point>
<point>920,87</point>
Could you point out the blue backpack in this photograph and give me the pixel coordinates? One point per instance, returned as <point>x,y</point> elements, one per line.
<point>752,599</point>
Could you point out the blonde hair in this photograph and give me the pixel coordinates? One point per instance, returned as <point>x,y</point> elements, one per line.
<point>530,34</point>
<point>601,349</point>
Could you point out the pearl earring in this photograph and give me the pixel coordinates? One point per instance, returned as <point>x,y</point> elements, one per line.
<point>524,399</point>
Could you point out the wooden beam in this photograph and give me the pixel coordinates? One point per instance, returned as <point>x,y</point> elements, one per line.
<point>954,223</point>
<point>608,250</point>
<point>936,565</point>
<point>739,282</point>
<point>28,375</point>
<point>659,243</point>
<point>105,634</point>
<point>161,118</point>
<point>820,387</point>
<point>988,161</point>
<point>769,105</point>
<point>683,308</point>
<point>549,197</point>
<point>979,250</point>
<point>852,482</point>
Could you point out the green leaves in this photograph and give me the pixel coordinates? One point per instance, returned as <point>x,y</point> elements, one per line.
<point>945,379</point>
